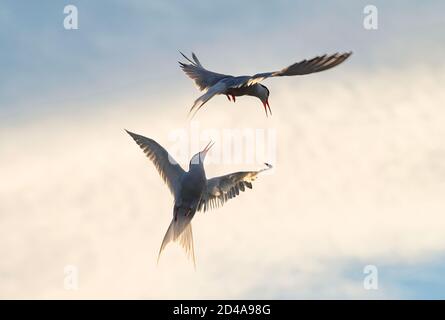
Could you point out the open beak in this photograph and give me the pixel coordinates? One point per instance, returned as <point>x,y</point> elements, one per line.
<point>266,106</point>
<point>207,148</point>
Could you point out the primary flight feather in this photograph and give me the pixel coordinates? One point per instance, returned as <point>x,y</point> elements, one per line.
<point>213,83</point>
<point>191,189</point>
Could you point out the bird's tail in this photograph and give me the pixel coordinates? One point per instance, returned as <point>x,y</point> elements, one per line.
<point>180,230</point>
<point>211,92</point>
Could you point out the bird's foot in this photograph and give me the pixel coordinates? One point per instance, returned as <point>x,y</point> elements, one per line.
<point>228,97</point>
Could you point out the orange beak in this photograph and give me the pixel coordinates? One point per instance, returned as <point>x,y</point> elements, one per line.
<point>266,106</point>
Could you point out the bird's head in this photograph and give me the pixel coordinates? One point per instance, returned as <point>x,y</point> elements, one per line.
<point>263,94</point>
<point>198,159</point>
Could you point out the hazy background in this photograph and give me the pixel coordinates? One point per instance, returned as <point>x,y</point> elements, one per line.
<point>359,172</point>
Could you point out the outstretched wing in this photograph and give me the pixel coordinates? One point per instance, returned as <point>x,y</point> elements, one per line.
<point>169,170</point>
<point>313,65</point>
<point>220,189</point>
<point>203,78</point>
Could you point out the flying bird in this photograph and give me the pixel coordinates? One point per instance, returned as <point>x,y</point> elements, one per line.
<point>213,83</point>
<point>191,189</point>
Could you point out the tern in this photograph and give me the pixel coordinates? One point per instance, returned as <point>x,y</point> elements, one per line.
<point>213,83</point>
<point>191,190</point>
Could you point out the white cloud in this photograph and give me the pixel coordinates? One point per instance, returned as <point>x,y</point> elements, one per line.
<point>359,175</point>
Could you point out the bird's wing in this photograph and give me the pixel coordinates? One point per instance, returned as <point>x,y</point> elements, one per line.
<point>219,88</point>
<point>313,65</point>
<point>169,170</point>
<point>220,189</point>
<point>203,78</point>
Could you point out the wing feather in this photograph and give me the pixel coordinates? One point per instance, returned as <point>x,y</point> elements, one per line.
<point>169,170</point>
<point>202,77</point>
<point>313,65</point>
<point>221,189</point>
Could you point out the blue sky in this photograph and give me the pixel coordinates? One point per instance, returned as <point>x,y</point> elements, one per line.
<point>131,47</point>
<point>422,280</point>
<point>360,169</point>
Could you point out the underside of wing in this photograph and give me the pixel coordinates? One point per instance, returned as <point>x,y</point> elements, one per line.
<point>202,77</point>
<point>313,65</point>
<point>221,189</point>
<point>169,170</point>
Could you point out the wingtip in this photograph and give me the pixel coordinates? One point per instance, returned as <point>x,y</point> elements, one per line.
<point>132,134</point>
<point>339,54</point>
<point>345,55</point>
<point>185,57</point>
<point>182,65</point>
<point>268,167</point>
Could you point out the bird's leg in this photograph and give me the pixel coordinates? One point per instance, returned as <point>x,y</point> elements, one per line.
<point>233,97</point>
<point>228,97</point>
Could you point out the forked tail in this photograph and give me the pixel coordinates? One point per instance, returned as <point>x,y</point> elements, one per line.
<point>180,231</point>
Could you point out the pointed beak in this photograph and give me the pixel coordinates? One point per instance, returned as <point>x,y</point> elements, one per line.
<point>207,148</point>
<point>266,106</point>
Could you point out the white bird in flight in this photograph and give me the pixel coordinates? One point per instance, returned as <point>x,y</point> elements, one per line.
<point>191,190</point>
<point>216,83</point>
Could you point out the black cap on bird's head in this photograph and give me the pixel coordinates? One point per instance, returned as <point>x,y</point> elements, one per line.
<point>264,97</point>
<point>198,159</point>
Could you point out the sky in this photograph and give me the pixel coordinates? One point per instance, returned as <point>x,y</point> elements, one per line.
<point>358,151</point>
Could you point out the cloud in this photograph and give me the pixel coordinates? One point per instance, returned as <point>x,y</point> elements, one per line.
<point>129,49</point>
<point>358,179</point>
